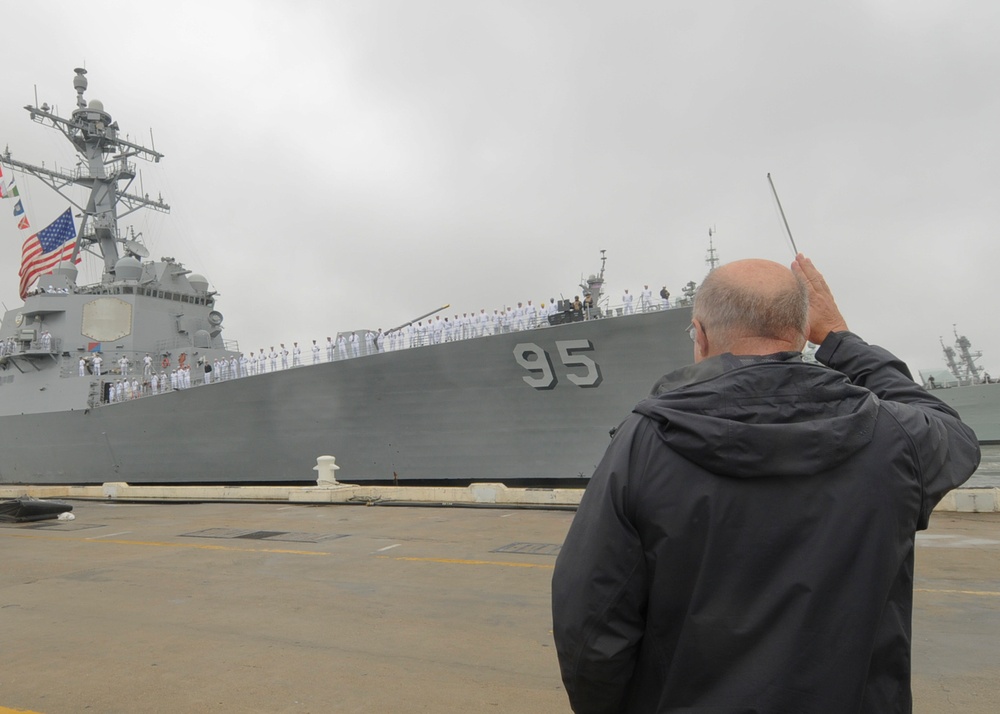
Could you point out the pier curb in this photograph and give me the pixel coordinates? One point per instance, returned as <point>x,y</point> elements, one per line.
<point>963,500</point>
<point>477,494</point>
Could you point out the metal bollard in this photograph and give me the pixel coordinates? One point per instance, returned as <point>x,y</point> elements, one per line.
<point>326,468</point>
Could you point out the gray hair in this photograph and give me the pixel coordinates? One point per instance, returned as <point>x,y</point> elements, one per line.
<point>729,310</point>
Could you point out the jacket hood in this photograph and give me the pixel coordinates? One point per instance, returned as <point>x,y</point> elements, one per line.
<point>761,416</point>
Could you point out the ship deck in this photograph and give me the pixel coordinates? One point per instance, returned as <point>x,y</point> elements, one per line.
<point>267,607</point>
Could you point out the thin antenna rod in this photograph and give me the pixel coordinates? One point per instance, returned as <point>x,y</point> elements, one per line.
<point>782,211</point>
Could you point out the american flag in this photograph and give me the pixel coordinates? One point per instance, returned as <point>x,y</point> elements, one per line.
<point>46,249</point>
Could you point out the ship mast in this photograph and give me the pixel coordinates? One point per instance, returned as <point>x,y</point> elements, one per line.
<point>969,357</point>
<point>949,358</point>
<point>105,162</point>
<point>595,283</point>
<point>712,258</point>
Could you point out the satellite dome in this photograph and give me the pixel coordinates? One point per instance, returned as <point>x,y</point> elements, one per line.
<point>128,268</point>
<point>96,104</point>
<point>68,269</point>
<point>198,282</point>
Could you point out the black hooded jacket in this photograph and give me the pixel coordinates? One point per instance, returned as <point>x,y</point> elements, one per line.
<point>746,544</point>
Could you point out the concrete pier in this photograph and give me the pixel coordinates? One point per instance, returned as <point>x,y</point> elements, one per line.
<point>292,607</point>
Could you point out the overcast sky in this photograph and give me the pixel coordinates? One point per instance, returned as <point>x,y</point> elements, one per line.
<point>338,165</point>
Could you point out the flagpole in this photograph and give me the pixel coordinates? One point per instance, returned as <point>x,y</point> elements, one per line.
<point>79,238</point>
<point>782,211</point>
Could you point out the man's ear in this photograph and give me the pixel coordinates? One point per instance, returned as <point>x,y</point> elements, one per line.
<point>701,346</point>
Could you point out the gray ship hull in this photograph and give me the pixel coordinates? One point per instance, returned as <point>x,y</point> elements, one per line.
<point>979,407</point>
<point>532,405</point>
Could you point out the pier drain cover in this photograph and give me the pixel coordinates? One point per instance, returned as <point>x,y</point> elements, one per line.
<point>530,548</point>
<point>250,534</point>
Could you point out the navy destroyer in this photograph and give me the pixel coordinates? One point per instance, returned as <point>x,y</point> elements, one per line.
<point>85,395</point>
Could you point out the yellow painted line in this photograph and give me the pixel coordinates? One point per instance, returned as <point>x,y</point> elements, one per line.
<point>156,544</point>
<point>457,561</point>
<point>988,593</point>
<point>5,710</point>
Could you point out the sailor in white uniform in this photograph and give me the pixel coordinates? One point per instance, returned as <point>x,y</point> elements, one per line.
<point>154,383</point>
<point>97,364</point>
<point>627,302</point>
<point>296,355</point>
<point>532,315</point>
<point>330,347</point>
<point>284,356</point>
<point>123,365</point>
<point>355,344</point>
<point>274,359</point>
<point>646,299</point>
<point>316,350</point>
<point>341,346</point>
<point>83,367</point>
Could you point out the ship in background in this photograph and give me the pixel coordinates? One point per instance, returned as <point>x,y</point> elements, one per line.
<point>518,406</point>
<point>967,387</point>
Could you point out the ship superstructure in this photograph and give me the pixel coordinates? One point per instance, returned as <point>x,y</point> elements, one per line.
<point>84,396</point>
<point>156,307</point>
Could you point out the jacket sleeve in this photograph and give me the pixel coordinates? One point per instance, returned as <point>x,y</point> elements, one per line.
<point>947,450</point>
<point>599,588</point>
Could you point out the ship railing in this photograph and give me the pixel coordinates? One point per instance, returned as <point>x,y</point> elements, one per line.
<point>342,351</point>
<point>119,169</point>
<point>39,347</point>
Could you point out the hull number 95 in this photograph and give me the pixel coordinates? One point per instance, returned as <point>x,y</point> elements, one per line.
<point>581,369</point>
